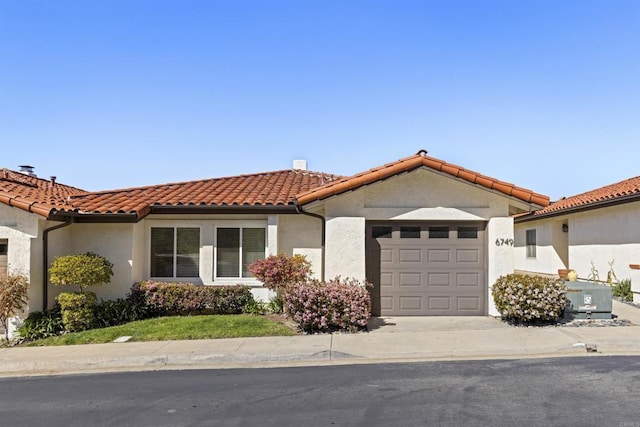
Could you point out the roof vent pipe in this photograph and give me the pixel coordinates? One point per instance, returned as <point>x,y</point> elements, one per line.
<point>53,180</point>
<point>27,170</point>
<point>300,165</point>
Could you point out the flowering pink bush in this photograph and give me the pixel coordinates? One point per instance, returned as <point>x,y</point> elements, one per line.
<point>279,271</point>
<point>162,298</point>
<point>524,298</point>
<point>328,306</point>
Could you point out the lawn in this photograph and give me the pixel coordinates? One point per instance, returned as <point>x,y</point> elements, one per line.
<point>177,328</point>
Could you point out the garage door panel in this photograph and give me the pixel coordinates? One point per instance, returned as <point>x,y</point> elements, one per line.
<point>386,303</point>
<point>439,255</point>
<point>469,279</point>
<point>468,256</point>
<point>410,255</point>
<point>468,304</point>
<point>386,255</point>
<point>410,279</point>
<point>386,279</point>
<point>438,279</point>
<point>439,303</point>
<point>410,303</point>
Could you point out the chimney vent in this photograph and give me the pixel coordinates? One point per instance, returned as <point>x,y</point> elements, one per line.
<point>27,170</point>
<point>300,165</point>
<point>53,180</point>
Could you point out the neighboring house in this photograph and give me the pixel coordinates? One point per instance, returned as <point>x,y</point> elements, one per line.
<point>431,236</point>
<point>583,232</point>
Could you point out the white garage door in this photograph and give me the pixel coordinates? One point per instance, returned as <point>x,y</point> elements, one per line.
<point>427,269</point>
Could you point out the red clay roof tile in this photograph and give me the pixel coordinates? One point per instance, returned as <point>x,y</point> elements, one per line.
<point>414,162</point>
<point>262,189</point>
<point>278,188</point>
<point>619,190</point>
<point>34,194</point>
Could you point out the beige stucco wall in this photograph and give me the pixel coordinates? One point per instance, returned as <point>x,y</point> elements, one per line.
<point>23,231</point>
<point>604,235</point>
<point>113,241</point>
<point>301,234</point>
<point>500,256</point>
<point>551,248</point>
<point>599,235</point>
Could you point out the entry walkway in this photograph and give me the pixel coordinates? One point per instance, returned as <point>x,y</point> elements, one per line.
<point>390,340</point>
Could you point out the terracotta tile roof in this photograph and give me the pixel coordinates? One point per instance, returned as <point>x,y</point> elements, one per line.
<point>414,162</point>
<point>261,189</point>
<point>620,191</point>
<point>34,194</point>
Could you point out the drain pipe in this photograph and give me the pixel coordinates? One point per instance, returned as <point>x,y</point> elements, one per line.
<point>300,210</point>
<point>45,259</point>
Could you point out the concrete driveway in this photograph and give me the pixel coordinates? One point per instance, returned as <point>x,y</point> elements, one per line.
<point>379,325</point>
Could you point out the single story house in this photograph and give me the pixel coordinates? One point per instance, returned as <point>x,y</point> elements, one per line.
<point>591,233</point>
<point>429,235</point>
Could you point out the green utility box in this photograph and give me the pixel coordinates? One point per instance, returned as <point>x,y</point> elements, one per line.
<point>586,300</point>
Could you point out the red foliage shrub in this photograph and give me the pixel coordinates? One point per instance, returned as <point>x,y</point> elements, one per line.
<point>316,306</point>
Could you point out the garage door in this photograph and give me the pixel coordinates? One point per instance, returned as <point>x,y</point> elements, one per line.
<point>427,269</point>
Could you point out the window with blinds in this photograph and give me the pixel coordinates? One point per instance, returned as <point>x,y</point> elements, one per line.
<point>236,249</point>
<point>175,252</point>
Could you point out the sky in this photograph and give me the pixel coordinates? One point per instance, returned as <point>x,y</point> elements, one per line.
<point>109,94</point>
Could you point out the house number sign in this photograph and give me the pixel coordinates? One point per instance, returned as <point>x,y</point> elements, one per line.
<point>504,242</point>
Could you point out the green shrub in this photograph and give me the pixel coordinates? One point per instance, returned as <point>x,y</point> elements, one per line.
<point>255,307</point>
<point>623,290</point>
<point>42,324</point>
<point>275,305</point>
<point>116,312</point>
<point>77,310</point>
<point>528,299</point>
<point>167,299</point>
<point>83,270</point>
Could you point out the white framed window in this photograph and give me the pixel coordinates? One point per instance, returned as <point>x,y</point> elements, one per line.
<point>531,244</point>
<point>174,252</point>
<point>236,248</point>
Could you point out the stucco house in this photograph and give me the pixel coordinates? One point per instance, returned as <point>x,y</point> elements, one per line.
<point>585,231</point>
<point>431,236</point>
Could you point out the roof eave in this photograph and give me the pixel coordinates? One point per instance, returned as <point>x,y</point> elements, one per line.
<point>590,206</point>
<point>218,209</point>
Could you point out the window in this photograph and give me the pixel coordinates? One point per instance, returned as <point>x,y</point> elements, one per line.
<point>467,232</point>
<point>531,243</point>
<point>4,247</point>
<point>438,232</point>
<point>409,232</point>
<point>383,232</point>
<point>236,249</point>
<point>175,252</point>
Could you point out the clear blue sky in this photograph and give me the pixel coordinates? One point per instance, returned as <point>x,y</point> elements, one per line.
<point>108,94</point>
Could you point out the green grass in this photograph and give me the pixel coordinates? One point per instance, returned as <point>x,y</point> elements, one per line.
<point>177,328</point>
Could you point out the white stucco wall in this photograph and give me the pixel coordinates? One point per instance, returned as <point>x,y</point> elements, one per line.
<point>21,230</point>
<point>551,248</point>
<point>604,235</point>
<point>301,234</point>
<point>634,275</point>
<point>112,241</point>
<point>500,254</point>
<point>598,235</point>
<point>345,248</point>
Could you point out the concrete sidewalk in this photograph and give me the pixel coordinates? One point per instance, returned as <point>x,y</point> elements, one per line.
<point>390,340</point>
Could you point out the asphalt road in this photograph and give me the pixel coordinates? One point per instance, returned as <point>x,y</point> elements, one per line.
<point>593,391</point>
